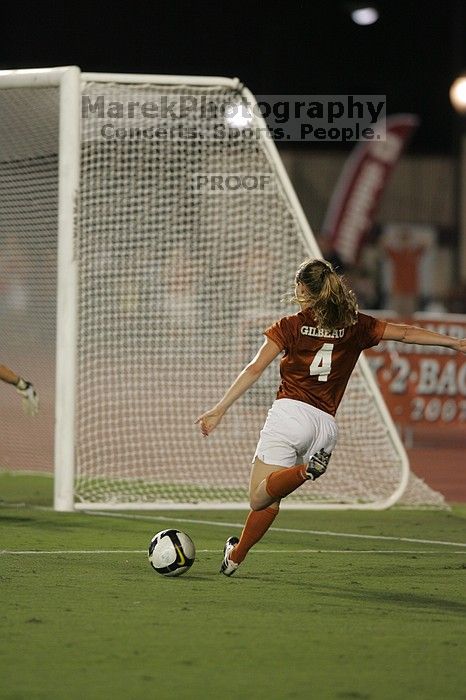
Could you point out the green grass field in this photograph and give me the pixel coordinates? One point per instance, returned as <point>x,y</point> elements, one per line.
<point>312,613</point>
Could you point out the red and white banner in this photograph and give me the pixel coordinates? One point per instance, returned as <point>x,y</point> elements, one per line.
<point>357,194</point>
<point>424,386</point>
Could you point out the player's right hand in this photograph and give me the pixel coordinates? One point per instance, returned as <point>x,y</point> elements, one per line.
<point>209,420</point>
<point>29,396</point>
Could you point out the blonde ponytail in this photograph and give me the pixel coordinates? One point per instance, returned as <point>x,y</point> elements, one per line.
<point>333,304</point>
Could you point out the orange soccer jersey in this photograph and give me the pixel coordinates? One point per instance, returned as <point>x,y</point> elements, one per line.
<point>317,364</point>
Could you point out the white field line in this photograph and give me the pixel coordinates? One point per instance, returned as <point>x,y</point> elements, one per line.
<point>220,551</point>
<point>215,523</point>
<point>275,529</point>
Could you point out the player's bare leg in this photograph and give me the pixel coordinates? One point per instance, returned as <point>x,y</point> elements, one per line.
<point>258,496</point>
<point>279,482</point>
<point>271,483</point>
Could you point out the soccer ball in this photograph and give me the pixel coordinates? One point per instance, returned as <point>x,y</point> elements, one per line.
<point>171,552</point>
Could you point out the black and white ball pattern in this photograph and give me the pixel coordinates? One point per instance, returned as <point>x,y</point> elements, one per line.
<point>171,552</point>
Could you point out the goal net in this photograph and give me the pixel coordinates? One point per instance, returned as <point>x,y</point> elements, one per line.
<point>185,234</point>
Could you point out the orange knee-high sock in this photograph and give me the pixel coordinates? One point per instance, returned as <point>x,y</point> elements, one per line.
<point>283,481</point>
<point>256,525</point>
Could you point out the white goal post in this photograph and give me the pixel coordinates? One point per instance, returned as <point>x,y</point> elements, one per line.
<point>164,288</point>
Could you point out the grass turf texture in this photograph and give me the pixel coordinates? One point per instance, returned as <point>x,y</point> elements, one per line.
<point>344,624</point>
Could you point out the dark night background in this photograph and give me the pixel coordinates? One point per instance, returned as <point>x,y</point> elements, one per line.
<point>411,54</point>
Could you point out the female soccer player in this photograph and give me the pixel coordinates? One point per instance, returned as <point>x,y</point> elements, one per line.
<point>24,389</point>
<point>321,345</point>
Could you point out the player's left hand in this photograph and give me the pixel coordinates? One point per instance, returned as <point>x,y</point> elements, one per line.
<point>29,396</point>
<point>209,420</point>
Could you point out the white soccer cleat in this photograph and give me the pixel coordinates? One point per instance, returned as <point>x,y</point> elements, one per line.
<point>318,465</point>
<point>229,566</point>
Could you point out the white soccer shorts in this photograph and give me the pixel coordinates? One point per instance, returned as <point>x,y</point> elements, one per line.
<point>293,432</point>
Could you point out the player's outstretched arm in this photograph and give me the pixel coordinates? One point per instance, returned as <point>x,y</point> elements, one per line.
<point>421,336</point>
<point>245,379</point>
<point>24,389</point>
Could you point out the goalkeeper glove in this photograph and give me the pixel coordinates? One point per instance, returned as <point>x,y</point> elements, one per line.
<point>29,397</point>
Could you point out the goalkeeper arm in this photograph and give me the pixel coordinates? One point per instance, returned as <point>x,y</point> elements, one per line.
<point>24,388</point>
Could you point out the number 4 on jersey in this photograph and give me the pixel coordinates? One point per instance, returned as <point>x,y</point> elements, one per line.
<point>322,362</point>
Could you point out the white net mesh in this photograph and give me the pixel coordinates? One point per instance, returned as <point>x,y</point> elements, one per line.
<point>28,269</point>
<point>175,286</point>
